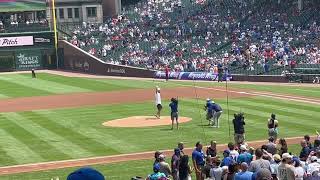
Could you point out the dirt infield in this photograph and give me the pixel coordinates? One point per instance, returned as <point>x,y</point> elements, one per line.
<point>100,98</point>
<point>113,159</point>
<point>143,121</point>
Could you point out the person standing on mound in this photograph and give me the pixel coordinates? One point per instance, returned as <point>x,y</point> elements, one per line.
<point>174,112</point>
<point>158,102</point>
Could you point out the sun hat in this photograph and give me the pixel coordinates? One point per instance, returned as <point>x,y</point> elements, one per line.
<point>85,173</point>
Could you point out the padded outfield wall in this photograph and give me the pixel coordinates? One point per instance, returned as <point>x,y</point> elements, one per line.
<point>26,51</point>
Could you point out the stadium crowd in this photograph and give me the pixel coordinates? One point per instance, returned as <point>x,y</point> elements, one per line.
<point>271,161</point>
<point>199,35</point>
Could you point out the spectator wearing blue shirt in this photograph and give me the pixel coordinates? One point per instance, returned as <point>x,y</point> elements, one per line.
<point>227,160</point>
<point>305,151</point>
<point>174,112</point>
<point>244,156</point>
<point>244,174</point>
<point>198,160</point>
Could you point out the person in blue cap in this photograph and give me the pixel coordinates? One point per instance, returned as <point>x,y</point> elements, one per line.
<point>86,173</point>
<point>156,175</point>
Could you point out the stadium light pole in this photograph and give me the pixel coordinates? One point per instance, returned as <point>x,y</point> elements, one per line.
<point>55,31</point>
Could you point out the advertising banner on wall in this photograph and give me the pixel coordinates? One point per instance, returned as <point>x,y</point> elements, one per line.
<point>16,41</point>
<point>192,76</point>
<point>27,60</point>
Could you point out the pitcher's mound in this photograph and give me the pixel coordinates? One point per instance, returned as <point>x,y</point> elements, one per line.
<point>143,121</point>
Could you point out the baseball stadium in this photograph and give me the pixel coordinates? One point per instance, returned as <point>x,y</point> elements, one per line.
<point>159,89</point>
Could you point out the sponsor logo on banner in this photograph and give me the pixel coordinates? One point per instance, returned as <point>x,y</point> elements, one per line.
<point>119,71</point>
<point>192,76</point>
<point>16,41</point>
<point>42,40</point>
<point>27,61</point>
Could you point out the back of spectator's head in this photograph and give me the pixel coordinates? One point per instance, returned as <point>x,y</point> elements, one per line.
<point>271,139</point>
<point>199,145</point>
<point>307,137</point>
<point>226,153</point>
<point>161,157</point>
<point>243,148</point>
<point>264,174</point>
<point>313,159</point>
<point>176,151</point>
<point>156,154</point>
<point>86,173</point>
<point>244,166</point>
<point>303,143</point>
<point>258,153</point>
<point>232,168</point>
<point>296,161</point>
<point>213,143</point>
<point>283,142</point>
<point>316,143</point>
<point>277,158</point>
<point>231,146</point>
<point>264,147</point>
<point>286,157</point>
<point>181,145</point>
<point>273,116</point>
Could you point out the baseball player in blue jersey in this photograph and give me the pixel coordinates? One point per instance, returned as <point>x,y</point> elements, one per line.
<point>217,111</point>
<point>174,112</point>
<point>209,108</point>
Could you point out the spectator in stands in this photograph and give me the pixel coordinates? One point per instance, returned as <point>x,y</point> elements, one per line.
<point>244,174</point>
<point>185,169</point>
<point>227,159</point>
<point>156,157</point>
<point>233,153</point>
<point>156,175</point>
<point>271,146</point>
<point>299,171</point>
<point>307,139</point>
<point>275,165</point>
<point>86,173</point>
<point>198,160</point>
<point>244,155</point>
<point>164,167</point>
<point>313,167</point>
<point>212,149</point>
<point>175,160</point>
<point>259,163</point>
<point>282,147</point>
<point>304,151</point>
<point>216,170</point>
<point>286,170</point>
<point>181,147</point>
<point>232,170</point>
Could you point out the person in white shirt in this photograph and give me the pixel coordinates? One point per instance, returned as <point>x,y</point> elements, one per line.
<point>158,102</point>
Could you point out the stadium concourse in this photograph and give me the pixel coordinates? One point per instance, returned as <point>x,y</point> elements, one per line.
<point>207,35</point>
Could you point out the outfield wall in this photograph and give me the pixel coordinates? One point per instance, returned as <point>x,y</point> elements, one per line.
<point>77,60</point>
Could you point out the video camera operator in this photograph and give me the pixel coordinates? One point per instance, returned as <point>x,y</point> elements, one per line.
<point>238,125</point>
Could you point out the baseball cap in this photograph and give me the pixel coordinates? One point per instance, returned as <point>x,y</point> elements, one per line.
<point>161,156</point>
<point>86,173</point>
<point>243,147</point>
<point>286,156</point>
<point>226,152</point>
<point>277,157</point>
<point>208,99</point>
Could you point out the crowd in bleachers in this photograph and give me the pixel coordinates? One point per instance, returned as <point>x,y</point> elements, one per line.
<point>198,35</point>
<point>9,24</point>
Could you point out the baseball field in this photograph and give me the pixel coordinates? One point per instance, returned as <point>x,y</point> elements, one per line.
<point>57,120</point>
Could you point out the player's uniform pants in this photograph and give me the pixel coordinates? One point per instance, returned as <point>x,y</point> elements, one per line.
<point>216,116</point>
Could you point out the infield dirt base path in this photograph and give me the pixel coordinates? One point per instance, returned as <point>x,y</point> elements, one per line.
<point>113,159</point>
<point>100,98</point>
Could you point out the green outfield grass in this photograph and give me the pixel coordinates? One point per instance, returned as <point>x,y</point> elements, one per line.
<point>59,134</point>
<point>123,170</point>
<point>48,135</point>
<point>22,85</point>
